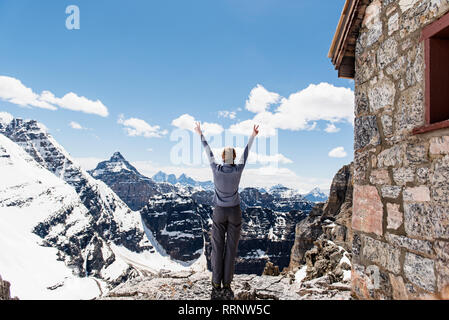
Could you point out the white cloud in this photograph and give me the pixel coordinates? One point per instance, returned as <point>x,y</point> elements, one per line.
<point>260,99</point>
<point>76,125</point>
<point>137,127</point>
<point>187,122</point>
<point>5,117</point>
<point>301,109</point>
<point>150,149</point>
<point>331,128</point>
<point>227,114</point>
<point>72,101</point>
<point>338,152</point>
<point>14,91</point>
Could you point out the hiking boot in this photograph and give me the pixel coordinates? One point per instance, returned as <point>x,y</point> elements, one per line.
<point>216,293</point>
<point>227,292</point>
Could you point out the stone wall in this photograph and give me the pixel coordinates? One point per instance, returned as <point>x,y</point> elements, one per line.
<point>401,180</point>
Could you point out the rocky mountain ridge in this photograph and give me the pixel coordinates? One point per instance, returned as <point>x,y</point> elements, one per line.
<point>5,293</point>
<point>196,286</point>
<point>94,231</point>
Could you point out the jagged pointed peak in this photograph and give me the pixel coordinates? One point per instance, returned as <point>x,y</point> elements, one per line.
<point>117,156</point>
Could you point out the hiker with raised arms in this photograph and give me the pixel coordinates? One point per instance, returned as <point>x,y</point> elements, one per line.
<point>227,215</point>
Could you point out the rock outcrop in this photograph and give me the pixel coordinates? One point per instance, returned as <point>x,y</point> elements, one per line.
<point>331,220</point>
<point>267,235</point>
<point>196,286</point>
<point>4,290</point>
<point>326,258</point>
<point>270,269</point>
<point>132,187</point>
<point>179,224</point>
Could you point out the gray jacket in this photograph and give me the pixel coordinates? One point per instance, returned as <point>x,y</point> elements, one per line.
<point>227,176</point>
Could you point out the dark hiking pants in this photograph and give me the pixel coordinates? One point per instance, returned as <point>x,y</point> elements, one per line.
<point>226,221</point>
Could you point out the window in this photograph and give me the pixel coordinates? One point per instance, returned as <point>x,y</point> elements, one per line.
<point>436,41</point>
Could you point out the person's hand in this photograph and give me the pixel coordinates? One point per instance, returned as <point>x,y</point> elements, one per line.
<point>255,130</point>
<point>198,128</point>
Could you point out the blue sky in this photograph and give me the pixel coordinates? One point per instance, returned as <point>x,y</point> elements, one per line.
<point>158,60</point>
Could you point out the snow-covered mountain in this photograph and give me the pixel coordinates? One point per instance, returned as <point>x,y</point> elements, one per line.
<point>132,187</point>
<point>183,180</point>
<point>316,195</point>
<point>47,199</point>
<point>30,194</point>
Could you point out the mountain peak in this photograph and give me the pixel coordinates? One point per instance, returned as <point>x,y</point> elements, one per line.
<point>316,195</point>
<point>116,157</point>
<point>117,163</point>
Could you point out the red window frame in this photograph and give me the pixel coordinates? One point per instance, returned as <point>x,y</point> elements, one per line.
<point>436,41</point>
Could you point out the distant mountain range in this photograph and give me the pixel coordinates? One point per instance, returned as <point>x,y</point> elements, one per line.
<point>183,180</point>
<point>136,189</point>
<point>316,195</point>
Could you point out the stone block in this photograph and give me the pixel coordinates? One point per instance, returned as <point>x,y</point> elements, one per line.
<point>391,157</point>
<point>419,220</point>
<point>410,110</point>
<point>387,53</point>
<point>391,192</point>
<point>366,132</point>
<point>380,177</point>
<point>381,253</point>
<point>414,71</point>
<point>399,290</point>
<point>422,175</point>
<point>381,95</point>
<point>361,160</point>
<point>361,106</point>
<point>417,194</point>
<point>403,175</point>
<point>394,217</point>
<point>421,246</point>
<point>442,263</point>
<point>420,271</point>
<point>440,181</point>
<point>367,210</point>
<point>393,23</point>
<point>439,145</point>
<point>387,124</point>
<point>415,154</point>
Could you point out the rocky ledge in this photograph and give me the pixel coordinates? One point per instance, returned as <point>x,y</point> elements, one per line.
<point>4,290</point>
<point>196,286</point>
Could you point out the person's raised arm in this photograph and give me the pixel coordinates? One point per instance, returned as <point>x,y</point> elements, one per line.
<point>209,153</point>
<point>248,146</point>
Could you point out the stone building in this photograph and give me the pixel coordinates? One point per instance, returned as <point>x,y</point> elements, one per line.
<point>397,52</point>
